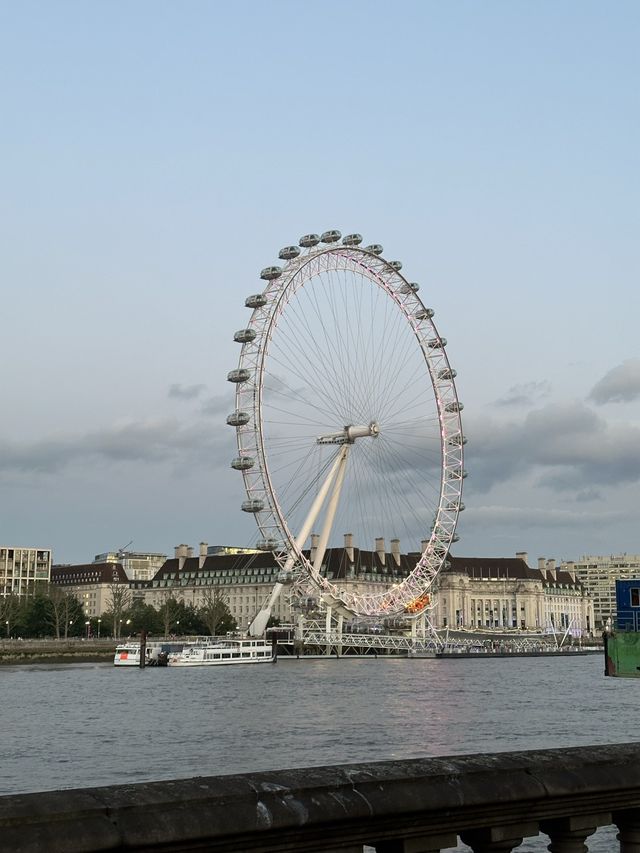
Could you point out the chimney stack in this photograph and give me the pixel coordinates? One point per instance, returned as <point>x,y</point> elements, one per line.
<point>203,554</point>
<point>190,551</point>
<point>541,567</point>
<point>551,568</point>
<point>181,554</point>
<point>522,555</point>
<point>380,550</point>
<point>395,551</point>
<point>570,567</point>
<point>348,546</point>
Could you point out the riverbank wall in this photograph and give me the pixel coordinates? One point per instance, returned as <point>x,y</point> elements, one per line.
<point>490,801</point>
<point>74,650</point>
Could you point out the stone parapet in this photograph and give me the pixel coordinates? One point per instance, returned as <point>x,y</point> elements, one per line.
<point>412,806</point>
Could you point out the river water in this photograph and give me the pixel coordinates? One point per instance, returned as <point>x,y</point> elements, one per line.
<point>71,726</point>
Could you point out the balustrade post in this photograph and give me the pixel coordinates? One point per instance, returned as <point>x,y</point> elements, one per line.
<point>628,822</point>
<point>498,839</point>
<point>569,834</point>
<point>424,844</point>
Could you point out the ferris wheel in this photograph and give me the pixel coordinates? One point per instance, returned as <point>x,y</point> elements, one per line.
<point>348,423</point>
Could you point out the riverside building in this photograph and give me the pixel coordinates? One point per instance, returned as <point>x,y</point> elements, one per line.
<point>470,592</point>
<point>598,574</point>
<point>138,565</point>
<point>23,569</point>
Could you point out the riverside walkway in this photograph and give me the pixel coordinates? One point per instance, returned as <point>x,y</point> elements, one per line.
<point>490,801</point>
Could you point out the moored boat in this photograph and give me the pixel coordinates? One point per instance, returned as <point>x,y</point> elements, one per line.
<point>223,653</point>
<point>157,653</point>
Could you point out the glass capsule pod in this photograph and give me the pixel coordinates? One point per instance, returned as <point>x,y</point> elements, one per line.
<point>352,240</point>
<point>308,241</point>
<point>424,314</point>
<point>240,374</point>
<point>244,336</point>
<point>242,463</point>
<point>288,253</point>
<point>270,273</point>
<point>447,373</point>
<point>437,343</point>
<point>375,249</point>
<point>330,236</point>
<point>253,505</point>
<point>256,300</point>
<point>238,418</point>
<point>454,407</point>
<point>397,265</point>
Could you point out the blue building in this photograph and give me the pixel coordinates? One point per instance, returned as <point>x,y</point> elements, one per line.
<point>628,604</point>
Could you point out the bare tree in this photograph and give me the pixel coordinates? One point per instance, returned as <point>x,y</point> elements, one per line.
<point>117,605</point>
<point>170,610</point>
<point>9,607</point>
<point>214,611</point>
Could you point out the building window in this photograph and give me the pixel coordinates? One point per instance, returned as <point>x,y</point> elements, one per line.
<point>635,596</point>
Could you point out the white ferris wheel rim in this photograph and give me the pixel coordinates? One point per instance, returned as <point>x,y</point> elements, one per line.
<point>283,283</point>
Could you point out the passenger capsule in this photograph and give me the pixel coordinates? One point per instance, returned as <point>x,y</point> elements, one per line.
<point>238,418</point>
<point>397,265</point>
<point>308,241</point>
<point>244,336</point>
<point>288,253</point>
<point>410,287</point>
<point>457,474</point>
<point>454,407</point>
<point>447,373</point>
<point>457,440</point>
<point>424,314</point>
<point>375,249</point>
<point>352,240</point>
<point>242,463</point>
<point>331,236</point>
<point>240,374</point>
<point>257,300</point>
<point>266,544</point>
<point>270,273</point>
<point>254,505</point>
<point>452,506</point>
<point>437,343</point>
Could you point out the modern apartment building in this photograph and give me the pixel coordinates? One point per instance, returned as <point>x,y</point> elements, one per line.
<point>138,565</point>
<point>598,574</point>
<point>22,569</point>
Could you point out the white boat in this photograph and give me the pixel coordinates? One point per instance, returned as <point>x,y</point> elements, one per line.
<point>128,654</point>
<point>224,652</point>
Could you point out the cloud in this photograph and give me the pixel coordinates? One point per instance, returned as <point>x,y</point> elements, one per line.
<point>619,385</point>
<point>524,517</point>
<point>561,447</point>
<point>222,404</point>
<point>186,392</point>
<point>134,442</point>
<point>525,394</point>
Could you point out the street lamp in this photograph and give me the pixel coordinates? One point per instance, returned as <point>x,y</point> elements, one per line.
<point>7,624</point>
<point>99,621</point>
<point>88,624</point>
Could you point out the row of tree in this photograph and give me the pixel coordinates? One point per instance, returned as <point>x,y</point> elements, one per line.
<point>54,612</point>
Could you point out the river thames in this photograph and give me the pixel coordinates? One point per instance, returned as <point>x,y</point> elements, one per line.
<point>72,726</point>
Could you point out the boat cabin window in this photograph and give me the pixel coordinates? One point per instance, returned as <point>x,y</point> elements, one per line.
<point>635,596</point>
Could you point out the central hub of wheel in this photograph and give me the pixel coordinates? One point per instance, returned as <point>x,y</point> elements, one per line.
<point>349,434</point>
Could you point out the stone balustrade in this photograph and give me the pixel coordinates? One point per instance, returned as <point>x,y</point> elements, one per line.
<point>421,805</point>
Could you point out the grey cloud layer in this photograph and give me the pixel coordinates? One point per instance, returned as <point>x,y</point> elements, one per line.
<point>525,394</point>
<point>186,392</point>
<point>619,385</point>
<point>568,446</point>
<point>157,441</point>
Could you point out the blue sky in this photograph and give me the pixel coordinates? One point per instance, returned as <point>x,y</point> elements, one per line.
<point>155,156</point>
